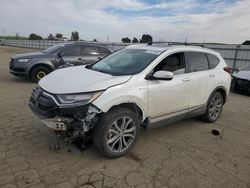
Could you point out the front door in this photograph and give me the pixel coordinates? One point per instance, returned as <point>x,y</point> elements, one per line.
<point>168,97</point>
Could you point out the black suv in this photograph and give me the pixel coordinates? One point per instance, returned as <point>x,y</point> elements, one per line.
<point>38,64</point>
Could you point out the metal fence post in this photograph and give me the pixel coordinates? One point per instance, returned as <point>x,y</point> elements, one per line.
<point>235,56</point>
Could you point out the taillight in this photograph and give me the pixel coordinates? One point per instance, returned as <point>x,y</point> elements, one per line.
<point>228,69</point>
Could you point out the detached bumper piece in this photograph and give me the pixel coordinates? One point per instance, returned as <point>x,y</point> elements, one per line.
<point>58,123</point>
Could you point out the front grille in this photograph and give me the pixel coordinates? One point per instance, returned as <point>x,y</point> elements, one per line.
<point>41,104</point>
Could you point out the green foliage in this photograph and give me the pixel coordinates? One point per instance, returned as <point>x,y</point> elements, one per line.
<point>75,36</point>
<point>51,37</point>
<point>59,35</point>
<point>126,40</point>
<point>135,40</point>
<point>34,36</point>
<point>247,42</point>
<point>13,37</point>
<point>146,38</point>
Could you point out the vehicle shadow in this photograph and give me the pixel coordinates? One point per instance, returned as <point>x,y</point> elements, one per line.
<point>244,93</point>
<point>18,80</point>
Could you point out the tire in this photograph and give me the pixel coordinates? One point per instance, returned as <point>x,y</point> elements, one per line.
<point>214,107</point>
<point>108,138</point>
<point>38,73</point>
<point>233,85</point>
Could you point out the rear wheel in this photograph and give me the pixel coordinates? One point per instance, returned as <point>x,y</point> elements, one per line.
<point>214,107</point>
<point>38,73</point>
<point>116,133</point>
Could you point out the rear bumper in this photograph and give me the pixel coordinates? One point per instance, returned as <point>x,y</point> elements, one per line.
<point>242,84</point>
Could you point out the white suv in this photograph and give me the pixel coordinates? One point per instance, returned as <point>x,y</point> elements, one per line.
<point>141,85</point>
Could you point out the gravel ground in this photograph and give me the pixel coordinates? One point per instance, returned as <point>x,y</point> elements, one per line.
<point>183,154</point>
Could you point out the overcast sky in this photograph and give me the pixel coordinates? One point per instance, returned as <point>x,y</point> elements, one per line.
<point>170,20</point>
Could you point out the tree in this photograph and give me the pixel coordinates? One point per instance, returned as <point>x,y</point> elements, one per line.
<point>34,36</point>
<point>95,40</point>
<point>135,40</point>
<point>126,40</point>
<point>59,35</point>
<point>75,36</point>
<point>51,37</point>
<point>146,38</point>
<point>247,42</point>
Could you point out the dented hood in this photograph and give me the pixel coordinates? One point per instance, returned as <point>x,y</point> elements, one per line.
<point>79,80</point>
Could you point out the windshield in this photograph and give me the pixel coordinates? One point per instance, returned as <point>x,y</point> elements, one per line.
<point>54,48</point>
<point>126,61</point>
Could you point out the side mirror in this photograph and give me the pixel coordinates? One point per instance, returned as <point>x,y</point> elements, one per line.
<point>163,75</point>
<point>100,58</point>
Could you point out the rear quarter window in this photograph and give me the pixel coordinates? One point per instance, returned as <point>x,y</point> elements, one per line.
<point>105,51</point>
<point>71,51</point>
<point>197,61</point>
<point>213,61</point>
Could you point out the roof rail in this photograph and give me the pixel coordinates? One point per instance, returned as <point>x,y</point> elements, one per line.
<point>175,43</point>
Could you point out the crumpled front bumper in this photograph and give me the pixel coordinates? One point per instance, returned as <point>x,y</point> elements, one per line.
<point>44,105</point>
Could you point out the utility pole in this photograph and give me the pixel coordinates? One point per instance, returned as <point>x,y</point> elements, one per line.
<point>204,39</point>
<point>3,31</point>
<point>186,40</point>
<point>107,38</point>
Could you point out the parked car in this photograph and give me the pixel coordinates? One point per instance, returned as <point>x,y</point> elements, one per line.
<point>36,65</point>
<point>241,80</point>
<point>137,86</point>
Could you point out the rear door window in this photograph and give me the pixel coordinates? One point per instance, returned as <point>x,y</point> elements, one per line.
<point>213,61</point>
<point>90,51</point>
<point>71,51</point>
<point>197,61</point>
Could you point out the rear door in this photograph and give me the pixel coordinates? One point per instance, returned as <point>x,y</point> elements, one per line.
<point>204,78</point>
<point>90,54</point>
<point>71,54</point>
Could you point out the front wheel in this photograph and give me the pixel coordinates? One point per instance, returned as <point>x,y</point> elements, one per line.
<point>116,132</point>
<point>214,108</point>
<point>38,73</point>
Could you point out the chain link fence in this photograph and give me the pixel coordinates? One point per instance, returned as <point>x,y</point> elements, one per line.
<point>236,56</point>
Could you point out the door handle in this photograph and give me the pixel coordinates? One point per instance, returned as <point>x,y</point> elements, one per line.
<point>211,75</point>
<point>186,79</point>
<point>80,59</point>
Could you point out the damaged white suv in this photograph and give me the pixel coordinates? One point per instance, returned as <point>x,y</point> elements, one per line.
<point>137,86</point>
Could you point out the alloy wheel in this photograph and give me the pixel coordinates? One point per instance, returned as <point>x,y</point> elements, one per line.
<point>121,134</point>
<point>215,107</point>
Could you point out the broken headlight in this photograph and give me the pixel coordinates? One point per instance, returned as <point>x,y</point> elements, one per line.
<point>81,98</point>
